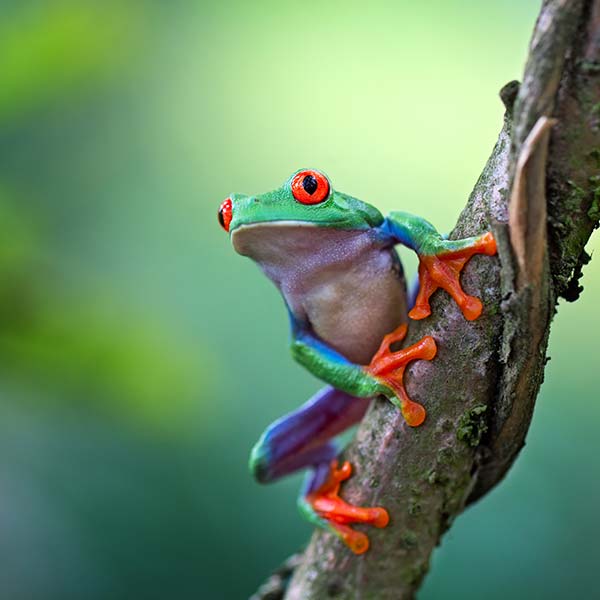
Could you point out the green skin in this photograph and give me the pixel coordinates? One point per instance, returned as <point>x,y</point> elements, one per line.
<point>341,212</point>
<point>329,260</point>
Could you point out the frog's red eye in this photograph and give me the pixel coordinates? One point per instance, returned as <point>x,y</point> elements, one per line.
<point>310,187</point>
<point>225,214</point>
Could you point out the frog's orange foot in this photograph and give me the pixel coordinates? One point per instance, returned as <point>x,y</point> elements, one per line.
<point>443,271</point>
<point>388,367</point>
<point>328,505</point>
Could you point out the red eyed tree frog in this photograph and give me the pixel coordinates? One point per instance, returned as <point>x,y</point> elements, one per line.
<point>332,258</point>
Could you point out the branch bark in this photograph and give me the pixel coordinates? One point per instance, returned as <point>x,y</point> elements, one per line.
<point>540,194</point>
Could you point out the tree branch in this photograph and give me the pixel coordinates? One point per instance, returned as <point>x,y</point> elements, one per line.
<point>548,156</point>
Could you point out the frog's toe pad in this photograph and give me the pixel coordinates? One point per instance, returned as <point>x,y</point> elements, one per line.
<point>487,244</point>
<point>471,307</point>
<point>420,312</point>
<point>357,541</point>
<point>413,412</point>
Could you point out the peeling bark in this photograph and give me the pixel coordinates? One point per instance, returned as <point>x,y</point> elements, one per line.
<point>540,194</point>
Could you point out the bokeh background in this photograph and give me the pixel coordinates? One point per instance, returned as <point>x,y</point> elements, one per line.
<point>140,358</point>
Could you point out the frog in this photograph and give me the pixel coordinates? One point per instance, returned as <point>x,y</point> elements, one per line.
<point>333,258</point>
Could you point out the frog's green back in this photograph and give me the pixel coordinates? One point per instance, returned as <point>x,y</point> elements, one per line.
<point>291,202</point>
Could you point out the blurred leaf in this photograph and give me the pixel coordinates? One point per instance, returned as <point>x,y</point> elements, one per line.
<point>51,49</point>
<point>86,347</point>
<point>18,233</point>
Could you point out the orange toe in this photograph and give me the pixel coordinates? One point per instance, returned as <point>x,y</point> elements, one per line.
<point>420,312</point>
<point>413,412</point>
<point>382,519</point>
<point>357,541</point>
<point>471,308</point>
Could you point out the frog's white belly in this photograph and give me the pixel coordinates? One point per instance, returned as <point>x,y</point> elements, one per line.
<point>354,309</point>
<point>345,284</point>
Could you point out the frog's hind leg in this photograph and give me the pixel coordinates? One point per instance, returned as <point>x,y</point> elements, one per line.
<point>303,439</point>
<point>300,438</point>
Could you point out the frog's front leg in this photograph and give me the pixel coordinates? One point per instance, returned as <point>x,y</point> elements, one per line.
<point>440,261</point>
<point>383,375</point>
<point>303,439</point>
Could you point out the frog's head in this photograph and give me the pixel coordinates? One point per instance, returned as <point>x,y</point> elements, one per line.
<point>305,199</point>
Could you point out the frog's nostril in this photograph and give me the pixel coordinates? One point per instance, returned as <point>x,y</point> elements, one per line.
<point>225,214</point>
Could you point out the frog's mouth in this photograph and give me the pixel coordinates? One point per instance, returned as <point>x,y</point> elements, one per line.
<point>267,238</point>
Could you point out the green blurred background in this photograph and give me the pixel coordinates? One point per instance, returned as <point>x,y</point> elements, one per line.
<point>141,358</point>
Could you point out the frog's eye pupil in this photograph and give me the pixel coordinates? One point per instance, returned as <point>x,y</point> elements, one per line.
<point>310,185</point>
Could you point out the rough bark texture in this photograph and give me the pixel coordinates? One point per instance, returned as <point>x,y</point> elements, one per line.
<point>481,388</point>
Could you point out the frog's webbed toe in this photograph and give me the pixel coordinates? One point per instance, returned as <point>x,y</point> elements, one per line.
<point>387,366</point>
<point>442,270</point>
<point>336,515</point>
